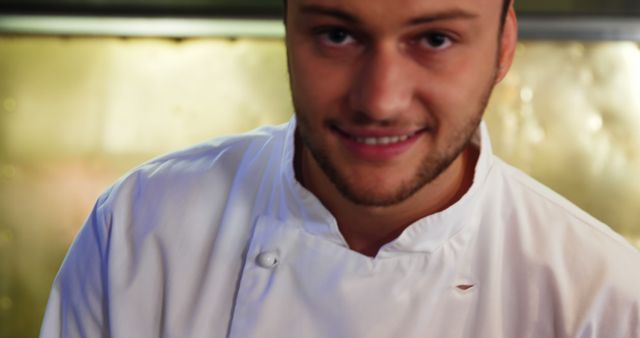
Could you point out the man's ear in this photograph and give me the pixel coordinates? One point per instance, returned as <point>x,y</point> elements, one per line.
<point>508,43</point>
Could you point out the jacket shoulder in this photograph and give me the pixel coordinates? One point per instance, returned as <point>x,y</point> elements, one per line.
<point>551,211</point>
<point>228,151</point>
<point>591,272</point>
<point>215,164</point>
<point>564,233</point>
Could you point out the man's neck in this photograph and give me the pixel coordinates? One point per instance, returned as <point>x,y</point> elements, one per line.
<point>366,229</point>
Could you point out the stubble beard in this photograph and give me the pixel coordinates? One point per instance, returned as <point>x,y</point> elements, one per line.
<point>431,166</point>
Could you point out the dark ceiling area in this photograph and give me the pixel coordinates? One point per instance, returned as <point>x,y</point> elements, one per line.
<point>165,8</point>
<point>273,8</point>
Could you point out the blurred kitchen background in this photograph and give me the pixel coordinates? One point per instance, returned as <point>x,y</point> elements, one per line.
<point>92,88</point>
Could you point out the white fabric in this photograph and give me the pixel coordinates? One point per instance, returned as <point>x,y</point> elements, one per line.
<point>220,240</point>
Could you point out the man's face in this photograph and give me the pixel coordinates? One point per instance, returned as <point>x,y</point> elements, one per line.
<point>388,93</point>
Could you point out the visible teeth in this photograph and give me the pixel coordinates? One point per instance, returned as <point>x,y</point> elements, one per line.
<point>381,140</point>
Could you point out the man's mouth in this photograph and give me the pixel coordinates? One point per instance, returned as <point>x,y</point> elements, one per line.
<point>384,140</point>
<point>379,139</point>
<point>378,144</point>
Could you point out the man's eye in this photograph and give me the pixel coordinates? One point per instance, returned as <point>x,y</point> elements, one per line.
<point>436,41</point>
<point>336,37</point>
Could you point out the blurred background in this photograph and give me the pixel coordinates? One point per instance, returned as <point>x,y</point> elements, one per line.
<point>91,88</point>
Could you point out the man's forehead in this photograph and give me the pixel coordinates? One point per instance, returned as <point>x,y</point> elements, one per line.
<point>400,4</point>
<point>388,9</point>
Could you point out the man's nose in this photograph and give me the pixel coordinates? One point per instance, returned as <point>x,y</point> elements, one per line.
<point>383,85</point>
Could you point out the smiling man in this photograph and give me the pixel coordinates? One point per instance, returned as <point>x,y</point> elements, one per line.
<point>386,133</point>
<point>377,211</point>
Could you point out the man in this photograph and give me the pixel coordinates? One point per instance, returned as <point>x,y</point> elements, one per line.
<point>378,211</point>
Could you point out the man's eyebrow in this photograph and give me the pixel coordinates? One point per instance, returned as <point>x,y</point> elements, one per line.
<point>454,14</point>
<point>328,11</point>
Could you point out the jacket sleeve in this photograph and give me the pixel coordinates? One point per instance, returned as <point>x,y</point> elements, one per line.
<point>78,302</point>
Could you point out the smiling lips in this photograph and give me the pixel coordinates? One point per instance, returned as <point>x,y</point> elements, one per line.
<point>385,140</point>
<point>379,144</point>
<point>378,137</point>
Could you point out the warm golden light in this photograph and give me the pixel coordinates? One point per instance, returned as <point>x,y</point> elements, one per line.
<point>76,113</point>
<point>574,125</point>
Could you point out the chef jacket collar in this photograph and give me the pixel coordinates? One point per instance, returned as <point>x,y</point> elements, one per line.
<point>423,236</point>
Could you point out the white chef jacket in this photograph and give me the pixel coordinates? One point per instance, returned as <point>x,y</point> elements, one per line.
<point>220,240</point>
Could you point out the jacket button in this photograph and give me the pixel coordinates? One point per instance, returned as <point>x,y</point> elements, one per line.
<point>267,260</point>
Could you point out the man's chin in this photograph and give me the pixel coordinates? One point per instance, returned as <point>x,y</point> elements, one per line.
<point>377,196</point>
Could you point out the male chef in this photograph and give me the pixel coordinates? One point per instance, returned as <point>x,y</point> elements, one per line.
<point>379,210</point>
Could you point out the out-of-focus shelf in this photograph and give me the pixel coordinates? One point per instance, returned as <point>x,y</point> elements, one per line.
<point>580,28</point>
<point>531,27</point>
<point>139,27</point>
